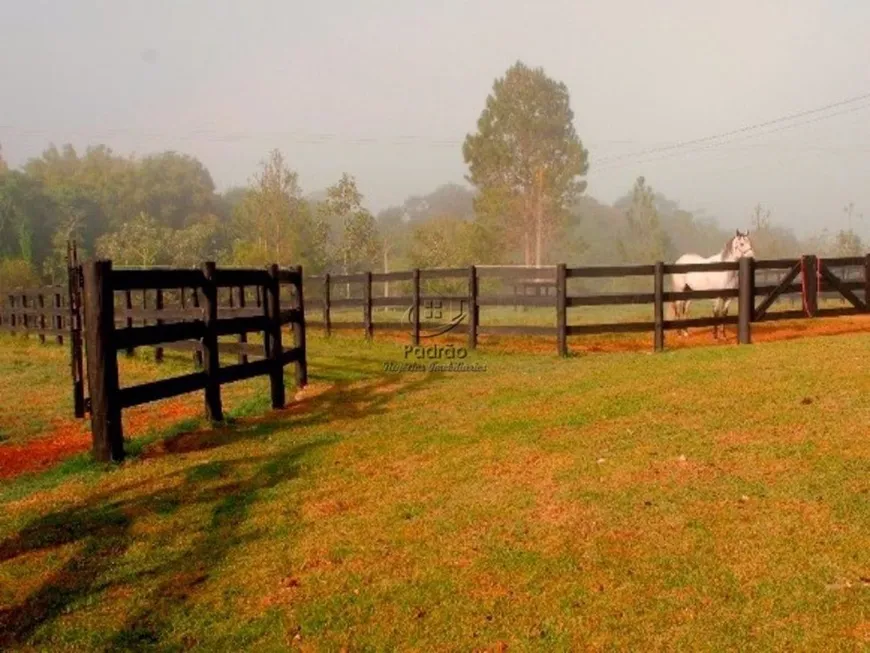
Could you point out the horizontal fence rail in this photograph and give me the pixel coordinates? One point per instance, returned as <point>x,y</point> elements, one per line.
<point>756,285</point>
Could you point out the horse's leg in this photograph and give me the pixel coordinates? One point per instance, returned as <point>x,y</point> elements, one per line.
<point>724,313</point>
<point>717,303</point>
<point>685,330</point>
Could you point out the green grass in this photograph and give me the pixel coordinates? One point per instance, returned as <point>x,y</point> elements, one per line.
<point>701,499</point>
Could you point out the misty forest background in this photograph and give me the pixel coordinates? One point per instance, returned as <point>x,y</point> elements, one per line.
<point>527,204</point>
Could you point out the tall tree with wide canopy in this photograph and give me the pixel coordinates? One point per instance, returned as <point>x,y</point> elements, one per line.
<point>526,159</point>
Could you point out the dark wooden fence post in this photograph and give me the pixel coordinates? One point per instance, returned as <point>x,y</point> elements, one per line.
<point>562,309</point>
<point>473,310</point>
<point>745,300</point>
<point>299,335</point>
<point>58,317</point>
<point>243,337</point>
<point>659,306</point>
<point>811,281</point>
<point>108,438</point>
<point>158,306</point>
<point>25,322</point>
<point>867,282</point>
<point>210,359</point>
<point>40,300</point>
<point>128,304</point>
<point>273,335</point>
<point>75,281</point>
<point>367,306</point>
<point>197,354</point>
<point>416,306</point>
<point>327,323</point>
<point>13,318</point>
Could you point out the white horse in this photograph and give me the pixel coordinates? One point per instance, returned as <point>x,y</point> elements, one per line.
<point>738,247</point>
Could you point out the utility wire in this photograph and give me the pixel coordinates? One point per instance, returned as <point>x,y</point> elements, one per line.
<point>741,130</point>
<point>620,162</point>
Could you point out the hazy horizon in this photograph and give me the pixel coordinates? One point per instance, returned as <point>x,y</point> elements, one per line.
<point>387,92</point>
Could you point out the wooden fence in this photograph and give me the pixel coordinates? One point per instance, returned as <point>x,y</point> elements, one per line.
<point>50,312</point>
<point>762,283</point>
<point>197,327</point>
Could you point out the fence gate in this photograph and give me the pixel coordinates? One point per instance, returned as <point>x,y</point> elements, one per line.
<point>845,288</point>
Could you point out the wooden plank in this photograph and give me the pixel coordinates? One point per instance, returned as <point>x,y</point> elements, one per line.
<point>561,310</point>
<point>701,294</point>
<point>442,273</point>
<point>243,371</point>
<point>520,330</point>
<point>156,334</point>
<point>599,271</point>
<point>406,275</point>
<point>843,261</point>
<point>347,278</point>
<point>367,305</point>
<point>156,278</point>
<point>659,307</point>
<point>722,266</point>
<point>108,438</point>
<point>473,307</point>
<point>289,276</point>
<point>776,264</point>
<point>326,306</point>
<point>611,299</point>
<point>229,326</point>
<point>210,353</point>
<point>290,316</point>
<point>229,277</point>
<point>162,389</point>
<point>300,347</point>
<point>292,356</point>
<point>788,289</point>
<point>745,300</point>
<point>273,335</point>
<point>415,334</point>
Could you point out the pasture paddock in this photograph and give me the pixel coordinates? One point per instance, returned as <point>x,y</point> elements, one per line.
<point>621,503</point>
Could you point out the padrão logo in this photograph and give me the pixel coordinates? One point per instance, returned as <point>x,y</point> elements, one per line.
<point>438,314</point>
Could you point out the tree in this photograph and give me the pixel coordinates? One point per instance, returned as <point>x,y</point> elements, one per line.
<point>3,166</point>
<point>848,243</point>
<point>447,199</point>
<point>273,223</point>
<point>644,240</point>
<point>16,273</point>
<point>352,231</point>
<point>527,152</point>
<point>441,242</point>
<point>140,242</point>
<point>174,189</point>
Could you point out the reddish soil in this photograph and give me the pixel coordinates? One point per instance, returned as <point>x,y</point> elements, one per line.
<point>69,437</point>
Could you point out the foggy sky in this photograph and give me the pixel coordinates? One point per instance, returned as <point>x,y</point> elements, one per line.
<point>387,90</point>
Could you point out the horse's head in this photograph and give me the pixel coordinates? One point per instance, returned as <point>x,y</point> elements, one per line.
<point>741,246</point>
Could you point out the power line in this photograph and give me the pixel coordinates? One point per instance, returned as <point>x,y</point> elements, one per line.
<point>619,162</point>
<point>741,130</point>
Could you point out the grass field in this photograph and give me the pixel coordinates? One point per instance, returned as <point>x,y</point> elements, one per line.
<point>713,498</point>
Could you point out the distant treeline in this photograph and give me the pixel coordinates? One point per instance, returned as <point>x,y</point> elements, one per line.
<point>163,209</point>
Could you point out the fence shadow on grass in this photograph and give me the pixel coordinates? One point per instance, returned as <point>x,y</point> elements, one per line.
<point>103,527</point>
<point>342,400</point>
